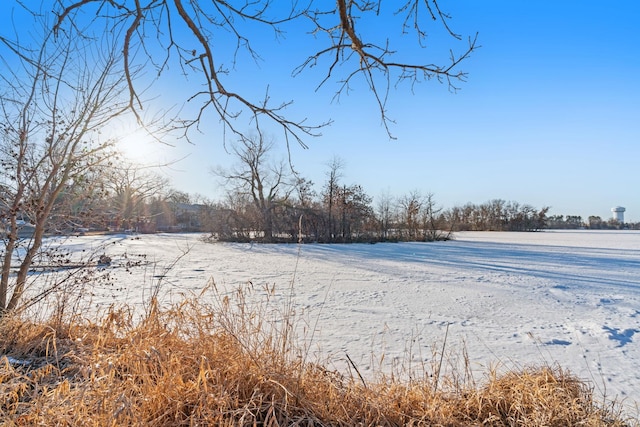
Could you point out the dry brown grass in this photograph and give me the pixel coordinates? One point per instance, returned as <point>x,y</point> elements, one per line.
<point>234,363</point>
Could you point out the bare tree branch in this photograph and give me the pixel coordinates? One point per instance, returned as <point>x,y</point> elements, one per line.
<point>352,54</point>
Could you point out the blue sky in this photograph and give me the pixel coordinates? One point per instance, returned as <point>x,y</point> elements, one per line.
<point>549,116</point>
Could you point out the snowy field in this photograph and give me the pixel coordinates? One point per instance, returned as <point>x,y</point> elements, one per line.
<point>510,299</point>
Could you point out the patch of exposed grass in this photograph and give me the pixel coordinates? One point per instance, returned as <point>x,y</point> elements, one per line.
<point>236,363</point>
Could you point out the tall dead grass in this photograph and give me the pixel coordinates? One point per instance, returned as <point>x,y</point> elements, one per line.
<point>235,362</point>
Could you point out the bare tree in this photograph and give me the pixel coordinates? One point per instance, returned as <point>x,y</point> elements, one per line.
<point>331,191</point>
<point>164,33</point>
<point>385,212</point>
<point>305,194</point>
<point>55,100</point>
<point>411,205</point>
<point>355,212</point>
<point>266,183</point>
<point>433,225</point>
<point>129,189</point>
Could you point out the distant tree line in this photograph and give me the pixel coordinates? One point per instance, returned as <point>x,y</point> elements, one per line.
<point>267,200</point>
<point>497,215</point>
<point>593,222</point>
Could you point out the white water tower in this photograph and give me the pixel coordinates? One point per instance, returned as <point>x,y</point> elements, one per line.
<point>618,214</point>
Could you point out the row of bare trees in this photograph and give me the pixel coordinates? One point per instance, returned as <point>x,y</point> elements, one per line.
<point>347,214</point>
<point>593,222</point>
<point>268,200</point>
<point>497,215</point>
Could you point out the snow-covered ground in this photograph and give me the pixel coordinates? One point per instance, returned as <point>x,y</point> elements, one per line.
<point>510,299</point>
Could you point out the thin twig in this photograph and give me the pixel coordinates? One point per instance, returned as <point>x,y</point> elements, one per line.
<point>357,371</point>
<point>444,344</point>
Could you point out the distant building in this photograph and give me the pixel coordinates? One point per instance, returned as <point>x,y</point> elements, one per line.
<point>618,214</point>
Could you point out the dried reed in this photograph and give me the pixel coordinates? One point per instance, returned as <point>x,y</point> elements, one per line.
<point>234,361</point>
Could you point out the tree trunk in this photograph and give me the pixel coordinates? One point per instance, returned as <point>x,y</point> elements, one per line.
<point>267,217</point>
<point>6,268</point>
<point>25,265</point>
